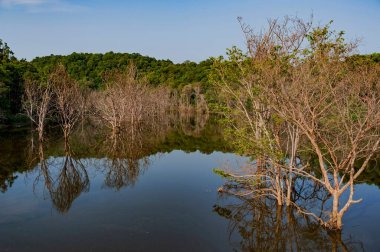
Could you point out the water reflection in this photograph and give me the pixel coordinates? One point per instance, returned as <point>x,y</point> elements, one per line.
<point>6,179</point>
<point>12,157</point>
<point>262,225</point>
<point>193,123</point>
<point>63,165</point>
<point>65,178</point>
<point>126,159</point>
<point>93,160</point>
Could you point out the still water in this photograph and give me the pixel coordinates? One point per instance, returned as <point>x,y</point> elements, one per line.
<point>152,193</point>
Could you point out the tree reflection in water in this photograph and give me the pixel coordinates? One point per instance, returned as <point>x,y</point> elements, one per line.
<point>128,152</point>
<point>65,178</point>
<point>121,157</point>
<point>125,161</point>
<point>262,225</point>
<point>192,123</point>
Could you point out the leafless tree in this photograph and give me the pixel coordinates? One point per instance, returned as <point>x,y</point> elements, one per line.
<point>127,101</point>
<point>36,104</point>
<point>68,99</point>
<point>338,111</point>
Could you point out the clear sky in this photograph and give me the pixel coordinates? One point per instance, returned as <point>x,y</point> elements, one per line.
<point>167,29</point>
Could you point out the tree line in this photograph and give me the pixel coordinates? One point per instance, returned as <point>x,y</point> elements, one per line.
<point>89,70</point>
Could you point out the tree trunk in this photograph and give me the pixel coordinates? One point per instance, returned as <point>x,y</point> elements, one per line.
<point>279,186</point>
<point>335,222</point>
<point>289,192</point>
<point>41,134</point>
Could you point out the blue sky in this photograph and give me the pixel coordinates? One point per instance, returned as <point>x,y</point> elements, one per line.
<point>167,29</point>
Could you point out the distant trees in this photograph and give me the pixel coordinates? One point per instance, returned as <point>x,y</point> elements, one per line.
<point>127,101</point>
<point>125,104</point>
<point>88,69</point>
<point>296,90</point>
<point>192,99</point>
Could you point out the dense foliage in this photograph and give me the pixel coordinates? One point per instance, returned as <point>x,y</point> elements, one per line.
<point>11,81</point>
<point>89,68</point>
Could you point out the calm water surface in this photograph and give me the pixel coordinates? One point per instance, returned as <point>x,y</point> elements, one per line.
<point>151,195</point>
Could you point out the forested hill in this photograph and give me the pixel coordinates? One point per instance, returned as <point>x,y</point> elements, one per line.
<point>88,68</point>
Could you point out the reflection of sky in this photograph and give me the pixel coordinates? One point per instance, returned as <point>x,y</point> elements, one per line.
<point>362,220</point>
<point>178,30</point>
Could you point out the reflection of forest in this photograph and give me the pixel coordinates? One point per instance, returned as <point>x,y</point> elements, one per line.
<point>12,156</point>
<point>127,156</point>
<point>262,225</point>
<point>371,175</point>
<point>63,166</point>
<point>122,158</point>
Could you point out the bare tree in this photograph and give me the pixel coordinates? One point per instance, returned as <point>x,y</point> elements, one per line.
<point>36,103</point>
<point>338,111</point>
<point>254,126</point>
<point>68,100</point>
<point>127,101</point>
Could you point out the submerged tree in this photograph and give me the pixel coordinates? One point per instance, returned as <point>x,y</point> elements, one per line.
<point>253,125</point>
<point>192,100</point>
<point>68,99</point>
<point>338,111</point>
<point>294,90</point>
<point>128,102</point>
<point>36,104</point>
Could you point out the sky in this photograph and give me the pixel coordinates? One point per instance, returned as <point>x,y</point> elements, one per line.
<point>178,30</point>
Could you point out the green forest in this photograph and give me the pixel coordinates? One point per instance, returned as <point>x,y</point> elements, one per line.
<point>88,69</point>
